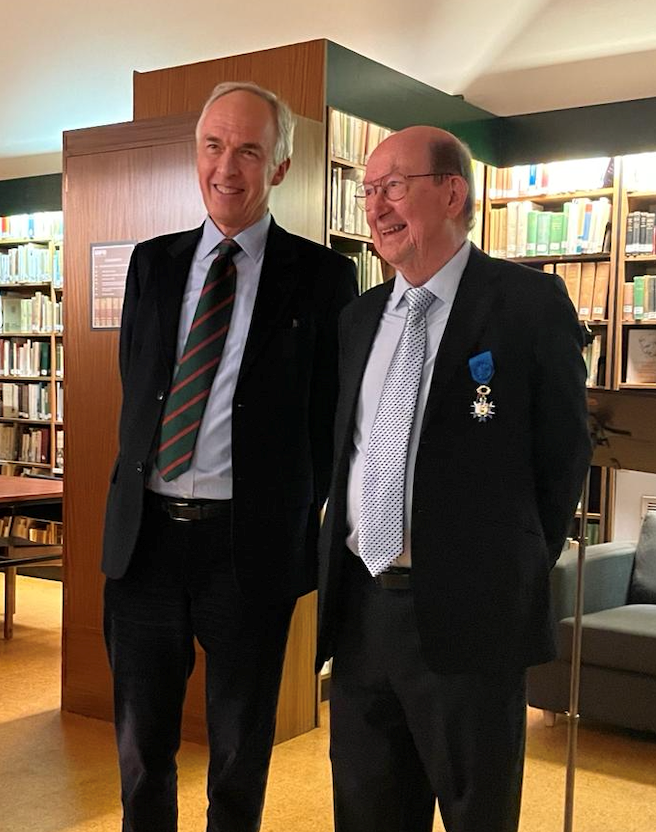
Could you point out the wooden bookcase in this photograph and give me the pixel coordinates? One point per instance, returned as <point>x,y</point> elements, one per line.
<point>31,350</point>
<point>580,263</point>
<point>627,194</point>
<point>633,322</point>
<point>349,143</point>
<point>596,266</point>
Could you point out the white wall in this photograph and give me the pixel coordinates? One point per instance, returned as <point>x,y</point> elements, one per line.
<point>631,487</point>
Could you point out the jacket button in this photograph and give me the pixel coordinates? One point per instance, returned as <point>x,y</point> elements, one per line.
<point>140,468</point>
<point>160,395</point>
<point>240,405</point>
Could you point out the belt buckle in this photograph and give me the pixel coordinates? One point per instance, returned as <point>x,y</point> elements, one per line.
<point>393,580</point>
<point>180,509</point>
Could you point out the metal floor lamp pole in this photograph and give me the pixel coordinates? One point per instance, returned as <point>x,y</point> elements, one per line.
<point>575,674</point>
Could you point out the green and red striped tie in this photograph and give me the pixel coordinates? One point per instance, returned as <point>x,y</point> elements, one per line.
<point>197,366</point>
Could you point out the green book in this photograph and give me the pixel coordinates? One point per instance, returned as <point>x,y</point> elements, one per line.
<point>543,234</point>
<point>44,358</point>
<point>556,233</point>
<point>639,297</point>
<point>532,233</point>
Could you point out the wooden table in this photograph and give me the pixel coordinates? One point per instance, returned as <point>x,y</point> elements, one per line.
<point>20,495</point>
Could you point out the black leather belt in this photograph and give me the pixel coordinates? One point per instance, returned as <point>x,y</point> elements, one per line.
<point>187,510</point>
<point>396,577</point>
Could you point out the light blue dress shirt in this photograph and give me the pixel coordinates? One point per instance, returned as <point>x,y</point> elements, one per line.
<point>444,285</point>
<point>210,474</point>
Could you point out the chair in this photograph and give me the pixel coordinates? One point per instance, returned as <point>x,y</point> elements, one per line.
<point>618,658</point>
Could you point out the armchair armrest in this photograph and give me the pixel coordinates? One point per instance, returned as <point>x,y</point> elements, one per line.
<point>606,577</point>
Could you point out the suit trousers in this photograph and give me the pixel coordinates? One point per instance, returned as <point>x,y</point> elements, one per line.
<point>403,735</point>
<point>180,587</point>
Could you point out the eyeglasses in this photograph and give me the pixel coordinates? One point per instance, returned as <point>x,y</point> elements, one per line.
<point>393,189</point>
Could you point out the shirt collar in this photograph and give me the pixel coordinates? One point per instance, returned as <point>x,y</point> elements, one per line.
<point>443,284</point>
<point>252,239</point>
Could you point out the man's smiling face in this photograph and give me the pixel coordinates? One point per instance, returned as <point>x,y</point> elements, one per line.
<point>236,139</point>
<point>420,232</point>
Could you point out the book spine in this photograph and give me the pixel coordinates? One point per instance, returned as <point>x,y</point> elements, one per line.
<point>532,233</point>
<point>543,232</point>
<point>638,297</point>
<point>556,233</point>
<point>600,296</point>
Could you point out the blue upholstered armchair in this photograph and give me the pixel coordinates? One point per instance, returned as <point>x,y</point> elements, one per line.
<point>618,668</point>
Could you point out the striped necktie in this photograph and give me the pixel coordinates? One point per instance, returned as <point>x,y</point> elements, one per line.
<point>197,366</point>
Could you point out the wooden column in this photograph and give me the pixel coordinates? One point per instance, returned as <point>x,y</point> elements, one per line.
<point>296,73</point>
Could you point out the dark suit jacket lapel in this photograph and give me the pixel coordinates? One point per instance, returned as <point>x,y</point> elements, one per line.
<point>281,271</point>
<point>471,312</point>
<point>171,273</point>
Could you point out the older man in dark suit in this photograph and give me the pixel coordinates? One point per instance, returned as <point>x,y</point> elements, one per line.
<point>460,448</point>
<point>229,369</point>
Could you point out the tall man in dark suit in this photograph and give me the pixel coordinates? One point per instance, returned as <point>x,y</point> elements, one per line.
<point>228,358</point>
<point>460,448</point>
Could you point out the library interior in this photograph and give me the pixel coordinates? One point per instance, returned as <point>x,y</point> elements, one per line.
<point>558,106</point>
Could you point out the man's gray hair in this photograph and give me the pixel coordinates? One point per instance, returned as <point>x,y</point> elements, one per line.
<point>283,115</point>
<point>454,156</point>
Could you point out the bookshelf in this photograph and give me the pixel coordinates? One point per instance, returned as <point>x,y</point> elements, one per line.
<point>636,284</point>
<point>31,351</point>
<point>351,141</point>
<point>559,217</point>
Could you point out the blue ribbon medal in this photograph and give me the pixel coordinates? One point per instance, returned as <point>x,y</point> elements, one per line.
<point>481,367</point>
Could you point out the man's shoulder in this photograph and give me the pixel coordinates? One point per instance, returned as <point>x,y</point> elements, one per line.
<point>520,276</point>
<point>165,242</point>
<point>312,250</point>
<point>373,298</point>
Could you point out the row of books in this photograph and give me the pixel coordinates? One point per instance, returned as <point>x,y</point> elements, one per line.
<point>43,225</point>
<point>29,358</point>
<point>639,299</point>
<point>370,268</point>
<point>31,263</point>
<point>353,139</point>
<point>591,356</point>
<point>38,313</point>
<point>640,232</point>
<point>587,287</point>
<point>551,178</point>
<point>345,215</point>
<point>24,444</point>
<point>525,229</point>
<point>28,444</point>
<point>31,400</point>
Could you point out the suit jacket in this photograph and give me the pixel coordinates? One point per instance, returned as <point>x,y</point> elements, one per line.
<point>492,500</point>
<point>283,405</point>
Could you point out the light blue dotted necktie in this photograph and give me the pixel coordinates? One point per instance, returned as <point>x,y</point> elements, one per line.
<point>383,483</point>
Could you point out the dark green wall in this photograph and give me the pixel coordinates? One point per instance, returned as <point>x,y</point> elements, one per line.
<point>602,130</point>
<point>377,93</point>
<point>30,194</point>
<point>368,89</point>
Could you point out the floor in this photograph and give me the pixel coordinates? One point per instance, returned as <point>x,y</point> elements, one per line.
<point>58,771</point>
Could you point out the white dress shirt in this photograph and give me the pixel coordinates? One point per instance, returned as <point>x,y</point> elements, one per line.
<point>444,285</point>
<point>210,473</point>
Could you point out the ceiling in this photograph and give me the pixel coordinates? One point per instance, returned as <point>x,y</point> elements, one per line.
<point>69,64</point>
